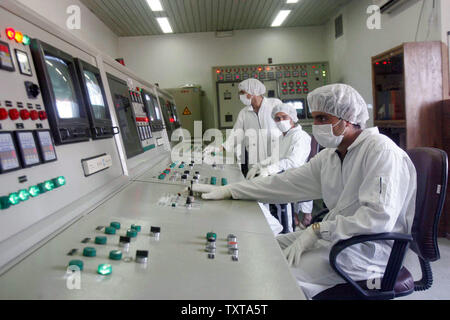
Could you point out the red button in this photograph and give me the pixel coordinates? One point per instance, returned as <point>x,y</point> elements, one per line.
<point>42,115</point>
<point>24,114</point>
<point>34,115</point>
<point>14,114</point>
<point>3,114</point>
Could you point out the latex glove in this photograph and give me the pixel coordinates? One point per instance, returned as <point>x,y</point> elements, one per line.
<point>306,241</point>
<point>210,192</point>
<point>264,172</point>
<point>285,240</point>
<point>253,172</point>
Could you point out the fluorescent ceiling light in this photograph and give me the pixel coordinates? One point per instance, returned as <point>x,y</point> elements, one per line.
<point>292,1</point>
<point>165,25</point>
<point>281,16</point>
<point>155,5</point>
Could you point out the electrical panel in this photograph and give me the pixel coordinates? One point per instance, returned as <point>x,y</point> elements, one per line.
<point>287,82</point>
<point>169,111</point>
<point>153,110</point>
<point>142,119</point>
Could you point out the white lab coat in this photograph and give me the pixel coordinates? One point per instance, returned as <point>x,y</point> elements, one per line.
<point>265,128</point>
<point>295,148</point>
<point>372,191</point>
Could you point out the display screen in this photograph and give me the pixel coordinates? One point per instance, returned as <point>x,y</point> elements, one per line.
<point>28,149</point>
<point>47,147</point>
<point>299,105</point>
<point>95,95</point>
<point>63,88</point>
<point>153,107</point>
<point>6,61</point>
<point>8,153</point>
<point>24,62</point>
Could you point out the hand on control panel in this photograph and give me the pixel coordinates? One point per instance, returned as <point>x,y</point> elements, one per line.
<point>210,192</point>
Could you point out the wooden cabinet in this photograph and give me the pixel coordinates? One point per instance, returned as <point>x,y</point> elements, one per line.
<point>409,84</point>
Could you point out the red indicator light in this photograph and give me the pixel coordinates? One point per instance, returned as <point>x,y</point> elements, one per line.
<point>24,114</point>
<point>237,77</point>
<point>10,33</point>
<point>3,114</point>
<point>384,62</point>
<point>313,67</point>
<point>377,63</point>
<point>14,114</point>
<point>172,120</point>
<point>34,115</point>
<point>42,115</point>
<point>218,71</point>
<point>268,68</point>
<point>259,69</point>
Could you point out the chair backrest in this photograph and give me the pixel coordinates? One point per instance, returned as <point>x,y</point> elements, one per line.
<point>314,148</point>
<point>432,170</point>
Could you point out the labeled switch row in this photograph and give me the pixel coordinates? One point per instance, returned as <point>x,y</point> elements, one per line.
<point>15,114</point>
<point>32,192</point>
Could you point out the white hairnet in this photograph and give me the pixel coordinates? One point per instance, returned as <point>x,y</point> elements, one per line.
<point>252,86</point>
<point>287,108</point>
<point>340,100</point>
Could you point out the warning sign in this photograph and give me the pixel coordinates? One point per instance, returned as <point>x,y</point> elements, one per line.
<point>187,112</point>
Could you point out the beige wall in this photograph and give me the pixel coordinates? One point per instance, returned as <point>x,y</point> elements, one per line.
<point>175,60</point>
<point>350,55</point>
<point>93,31</point>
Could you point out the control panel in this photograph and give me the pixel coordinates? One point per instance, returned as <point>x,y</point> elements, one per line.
<point>287,82</point>
<point>142,119</point>
<point>25,138</point>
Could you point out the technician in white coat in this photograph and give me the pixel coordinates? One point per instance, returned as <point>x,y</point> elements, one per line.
<point>364,178</point>
<point>254,120</point>
<point>294,150</point>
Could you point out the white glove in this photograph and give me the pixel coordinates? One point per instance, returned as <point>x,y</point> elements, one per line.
<point>306,241</point>
<point>285,240</point>
<point>264,172</point>
<point>210,192</point>
<point>253,172</point>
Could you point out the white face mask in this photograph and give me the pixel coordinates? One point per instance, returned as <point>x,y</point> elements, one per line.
<point>245,100</point>
<point>284,125</point>
<point>325,136</point>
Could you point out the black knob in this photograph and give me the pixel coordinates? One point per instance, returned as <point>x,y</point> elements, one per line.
<point>33,90</point>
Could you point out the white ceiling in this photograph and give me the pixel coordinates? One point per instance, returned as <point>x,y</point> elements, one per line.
<point>135,18</point>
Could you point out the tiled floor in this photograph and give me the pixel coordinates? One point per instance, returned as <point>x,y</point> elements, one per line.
<point>441,274</point>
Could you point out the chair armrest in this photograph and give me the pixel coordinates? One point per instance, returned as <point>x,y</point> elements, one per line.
<point>401,243</point>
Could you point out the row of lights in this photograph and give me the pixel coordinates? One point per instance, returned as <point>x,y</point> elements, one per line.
<point>164,23</point>
<point>24,194</point>
<point>282,15</point>
<point>12,34</point>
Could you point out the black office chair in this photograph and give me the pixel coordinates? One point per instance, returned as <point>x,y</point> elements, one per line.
<point>432,171</point>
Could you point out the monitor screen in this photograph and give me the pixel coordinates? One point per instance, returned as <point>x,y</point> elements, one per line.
<point>95,95</point>
<point>299,105</point>
<point>63,88</point>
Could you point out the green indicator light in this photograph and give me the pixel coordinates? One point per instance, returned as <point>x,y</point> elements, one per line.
<point>26,40</point>
<point>24,194</point>
<point>14,198</point>
<point>104,269</point>
<point>61,181</point>
<point>34,191</point>
<point>49,185</point>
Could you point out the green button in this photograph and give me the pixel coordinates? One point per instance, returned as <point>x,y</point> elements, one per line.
<point>162,176</point>
<point>14,198</point>
<point>213,180</point>
<point>34,191</point>
<point>136,227</point>
<point>211,235</point>
<point>49,185</point>
<point>77,263</point>
<point>110,230</point>
<point>24,195</point>
<point>167,171</point>
<point>104,269</point>
<point>224,181</point>
<point>59,182</point>
<point>173,165</point>
<point>89,252</point>
<point>4,203</point>
<point>115,255</point>
<point>131,233</point>
<point>115,225</point>
<point>181,166</point>
<point>100,240</point>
